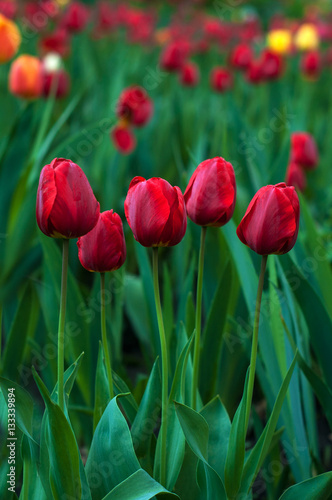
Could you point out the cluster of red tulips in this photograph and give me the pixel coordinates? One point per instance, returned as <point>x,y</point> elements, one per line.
<point>303,157</point>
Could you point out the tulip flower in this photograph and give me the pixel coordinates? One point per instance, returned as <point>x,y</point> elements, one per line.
<point>211,193</point>
<point>304,150</point>
<point>271,65</point>
<point>76,17</point>
<point>311,64</point>
<point>66,208</point>
<point>307,37</point>
<point>221,79</point>
<point>210,200</point>
<point>269,226</point>
<point>26,77</point>
<point>55,78</point>
<point>279,40</point>
<point>189,74</point>
<point>271,222</point>
<point>123,138</point>
<point>135,106</point>
<point>66,205</point>
<point>8,8</point>
<point>58,41</point>
<point>155,212</point>
<point>174,55</point>
<point>254,73</point>
<point>10,39</point>
<point>295,176</point>
<point>102,250</point>
<point>241,57</point>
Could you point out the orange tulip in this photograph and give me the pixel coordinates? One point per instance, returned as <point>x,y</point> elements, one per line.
<point>10,39</point>
<point>26,77</point>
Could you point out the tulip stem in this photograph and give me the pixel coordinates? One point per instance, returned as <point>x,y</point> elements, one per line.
<point>104,335</point>
<point>164,363</point>
<point>254,343</point>
<point>198,321</point>
<point>62,316</point>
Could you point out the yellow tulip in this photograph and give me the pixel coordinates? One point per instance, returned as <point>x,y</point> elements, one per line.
<point>279,40</point>
<point>307,37</point>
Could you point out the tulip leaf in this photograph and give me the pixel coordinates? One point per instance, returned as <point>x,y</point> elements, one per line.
<point>138,486</point>
<point>236,446</point>
<point>111,460</point>
<point>128,403</point>
<point>318,488</point>
<point>148,413</point>
<point>102,392</point>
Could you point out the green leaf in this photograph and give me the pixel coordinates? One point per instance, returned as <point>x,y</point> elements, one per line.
<point>138,486</point>
<point>69,378</point>
<point>318,488</point>
<point>128,403</point>
<point>102,390</point>
<point>112,457</point>
<point>148,413</point>
<point>236,446</point>
<point>62,449</point>
<point>261,448</point>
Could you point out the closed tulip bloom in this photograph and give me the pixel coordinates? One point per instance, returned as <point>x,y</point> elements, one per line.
<point>241,56</point>
<point>221,79</point>
<point>66,206</point>
<point>304,150</point>
<point>155,212</point>
<point>135,106</point>
<point>174,55</point>
<point>26,77</point>
<point>295,176</point>
<point>211,193</point>
<point>271,222</point>
<point>103,249</point>
<point>272,65</point>
<point>76,17</point>
<point>311,64</point>
<point>10,39</point>
<point>123,138</point>
<point>189,74</point>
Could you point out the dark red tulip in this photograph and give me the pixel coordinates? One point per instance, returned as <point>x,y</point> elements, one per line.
<point>189,74</point>
<point>254,73</point>
<point>174,55</point>
<point>304,150</point>
<point>311,64</point>
<point>103,249</point>
<point>271,222</point>
<point>221,79</point>
<point>211,193</point>
<point>295,176</point>
<point>58,41</point>
<point>241,57</point>
<point>76,17</point>
<point>8,8</point>
<point>60,80</point>
<point>123,138</point>
<point>271,65</point>
<point>135,106</point>
<point>155,212</point>
<point>66,206</point>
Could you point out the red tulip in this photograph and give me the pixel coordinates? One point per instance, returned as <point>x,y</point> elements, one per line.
<point>55,78</point>
<point>123,138</point>
<point>155,212</point>
<point>10,39</point>
<point>66,205</point>
<point>221,79</point>
<point>241,56</point>
<point>135,106</point>
<point>304,150</point>
<point>189,75</point>
<point>8,8</point>
<point>271,222</point>
<point>271,65</point>
<point>211,193</point>
<point>295,176</point>
<point>174,55</point>
<point>58,41</point>
<point>76,17</point>
<point>311,64</point>
<point>254,73</point>
<point>103,249</point>
<point>26,77</point>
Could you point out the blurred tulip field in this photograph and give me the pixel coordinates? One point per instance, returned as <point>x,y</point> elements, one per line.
<point>165,250</point>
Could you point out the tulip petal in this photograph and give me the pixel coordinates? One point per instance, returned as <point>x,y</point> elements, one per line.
<point>46,195</point>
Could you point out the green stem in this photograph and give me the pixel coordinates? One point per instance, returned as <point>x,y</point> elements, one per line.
<point>164,363</point>
<point>254,343</point>
<point>104,335</point>
<point>198,321</point>
<point>0,335</point>
<point>62,316</point>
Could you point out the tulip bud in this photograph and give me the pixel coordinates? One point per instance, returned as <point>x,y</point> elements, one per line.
<point>155,212</point>
<point>295,176</point>
<point>211,193</point>
<point>135,106</point>
<point>311,64</point>
<point>174,55</point>
<point>307,37</point>
<point>103,249</point>
<point>241,57</point>
<point>10,39</point>
<point>271,65</point>
<point>123,138</point>
<point>26,77</point>
<point>76,17</point>
<point>58,41</point>
<point>189,74</point>
<point>304,150</point>
<point>279,40</point>
<point>66,206</point>
<point>221,79</point>
<point>271,222</point>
